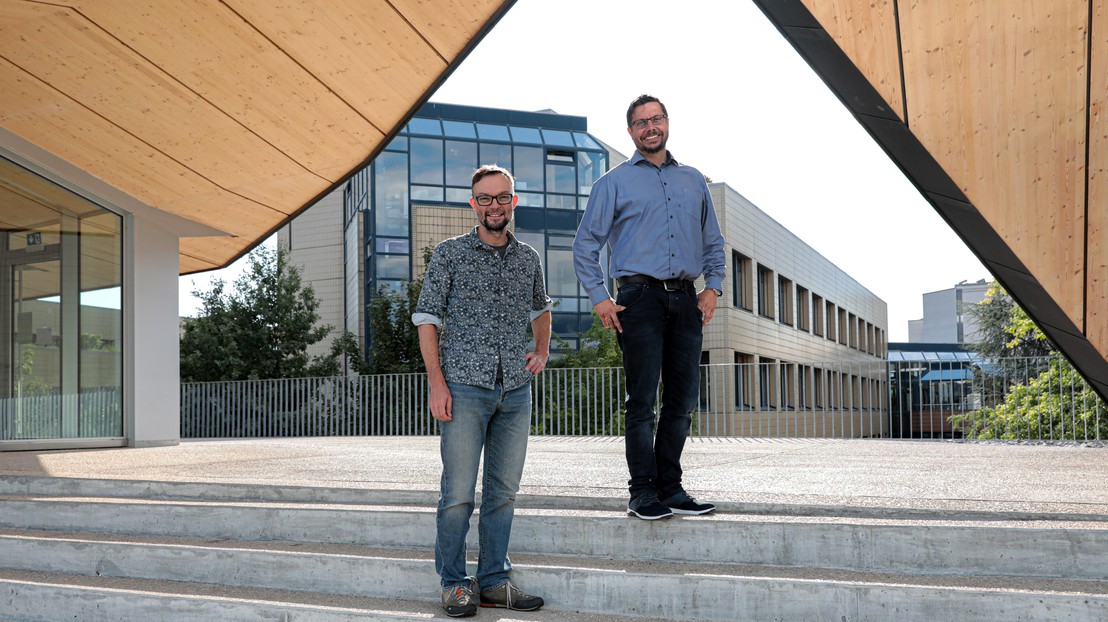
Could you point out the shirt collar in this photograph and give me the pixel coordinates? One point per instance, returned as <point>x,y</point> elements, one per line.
<point>670,160</point>
<point>475,239</point>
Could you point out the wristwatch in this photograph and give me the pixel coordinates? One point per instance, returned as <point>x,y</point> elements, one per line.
<point>719,292</point>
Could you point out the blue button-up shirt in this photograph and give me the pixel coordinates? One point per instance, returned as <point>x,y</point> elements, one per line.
<point>659,222</point>
<point>483,304</point>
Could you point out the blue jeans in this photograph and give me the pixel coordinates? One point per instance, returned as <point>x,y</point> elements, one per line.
<point>496,423</point>
<point>662,335</point>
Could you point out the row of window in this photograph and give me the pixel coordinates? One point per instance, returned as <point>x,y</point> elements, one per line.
<point>795,305</point>
<point>772,384</point>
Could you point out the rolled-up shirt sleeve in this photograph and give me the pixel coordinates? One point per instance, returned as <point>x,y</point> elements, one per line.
<point>540,301</point>
<point>431,306</point>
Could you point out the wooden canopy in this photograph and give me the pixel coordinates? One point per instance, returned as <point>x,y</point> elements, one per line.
<point>995,109</point>
<point>234,114</point>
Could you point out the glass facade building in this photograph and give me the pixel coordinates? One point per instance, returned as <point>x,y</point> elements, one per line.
<point>61,323</point>
<point>416,193</point>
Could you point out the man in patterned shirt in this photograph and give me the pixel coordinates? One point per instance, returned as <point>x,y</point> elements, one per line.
<point>481,291</point>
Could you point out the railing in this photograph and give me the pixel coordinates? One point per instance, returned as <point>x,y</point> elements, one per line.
<point>92,413</point>
<point>834,400</point>
<point>1015,398</point>
<point>1041,398</point>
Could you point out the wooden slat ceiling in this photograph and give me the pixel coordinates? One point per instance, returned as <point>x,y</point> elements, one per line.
<point>236,114</point>
<point>995,110</point>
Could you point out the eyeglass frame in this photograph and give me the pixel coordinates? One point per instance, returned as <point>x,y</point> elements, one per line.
<point>504,198</point>
<point>657,120</point>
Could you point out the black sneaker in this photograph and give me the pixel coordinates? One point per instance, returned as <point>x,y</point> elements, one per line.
<point>648,508</point>
<point>458,601</point>
<point>682,503</point>
<point>510,597</point>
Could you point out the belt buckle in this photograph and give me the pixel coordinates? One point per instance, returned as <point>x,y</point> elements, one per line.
<point>676,285</point>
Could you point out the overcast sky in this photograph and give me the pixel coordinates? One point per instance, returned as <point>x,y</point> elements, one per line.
<point>745,109</point>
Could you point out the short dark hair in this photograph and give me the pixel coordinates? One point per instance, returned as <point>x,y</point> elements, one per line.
<point>489,169</point>
<point>643,100</point>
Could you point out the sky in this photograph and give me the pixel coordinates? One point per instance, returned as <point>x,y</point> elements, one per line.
<point>744,108</point>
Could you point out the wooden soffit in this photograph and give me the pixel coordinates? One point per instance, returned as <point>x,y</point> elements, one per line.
<point>995,111</point>
<point>235,114</point>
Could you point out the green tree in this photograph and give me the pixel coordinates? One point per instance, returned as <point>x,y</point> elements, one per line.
<point>260,329</point>
<point>1029,391</point>
<point>599,348</point>
<point>1005,328</point>
<point>393,339</point>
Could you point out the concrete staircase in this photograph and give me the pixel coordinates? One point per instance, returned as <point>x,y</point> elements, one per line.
<point>82,549</point>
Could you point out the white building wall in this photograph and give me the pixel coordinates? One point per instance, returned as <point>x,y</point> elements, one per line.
<point>754,234</point>
<point>152,369</point>
<point>314,241</point>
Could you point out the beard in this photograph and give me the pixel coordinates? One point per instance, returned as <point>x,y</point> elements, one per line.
<point>652,150</point>
<point>497,228</point>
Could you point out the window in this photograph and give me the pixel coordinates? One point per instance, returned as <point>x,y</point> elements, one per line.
<point>705,381</point>
<point>831,322</point>
<point>817,388</point>
<point>744,379</point>
<point>844,327</point>
<point>804,381</point>
<point>528,169</point>
<point>788,385</point>
<point>766,377</point>
<point>852,328</point>
<point>803,311</point>
<point>427,161</point>
<point>817,315</point>
<point>765,292</point>
<point>461,160</point>
<point>785,312</point>
<point>742,282</point>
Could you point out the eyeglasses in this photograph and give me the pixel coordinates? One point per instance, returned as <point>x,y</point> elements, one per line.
<point>485,200</point>
<point>658,119</point>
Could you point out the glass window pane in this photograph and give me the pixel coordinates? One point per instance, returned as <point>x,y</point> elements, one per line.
<point>526,135</point>
<point>461,160</point>
<point>458,129</point>
<point>400,143</point>
<point>458,195</point>
<point>561,201</point>
<point>529,218</point>
<point>426,161</point>
<point>559,138</point>
<point>561,220</point>
<point>560,278</point>
<point>560,178</point>
<point>493,132</point>
<point>427,127</point>
<point>393,246</point>
<point>427,193</point>
<point>496,154</point>
<point>531,199</point>
<point>590,166</point>
<point>534,240</point>
<point>529,166</point>
<point>585,141</point>
<point>392,266</point>
<point>391,194</point>
<point>101,327</point>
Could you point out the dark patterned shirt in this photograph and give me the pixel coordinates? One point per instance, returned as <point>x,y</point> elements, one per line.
<point>483,306</point>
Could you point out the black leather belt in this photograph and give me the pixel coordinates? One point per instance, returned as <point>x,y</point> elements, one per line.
<point>671,285</point>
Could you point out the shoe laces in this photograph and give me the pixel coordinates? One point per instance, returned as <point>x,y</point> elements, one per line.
<point>462,595</point>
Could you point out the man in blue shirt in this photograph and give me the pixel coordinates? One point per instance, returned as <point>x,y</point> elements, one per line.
<point>657,217</point>
<point>480,293</point>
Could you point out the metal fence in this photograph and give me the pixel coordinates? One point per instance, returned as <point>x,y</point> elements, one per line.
<point>1015,398</point>
<point>92,413</point>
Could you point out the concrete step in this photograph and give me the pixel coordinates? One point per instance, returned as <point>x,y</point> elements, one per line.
<point>40,596</point>
<point>1048,549</point>
<point>666,590</point>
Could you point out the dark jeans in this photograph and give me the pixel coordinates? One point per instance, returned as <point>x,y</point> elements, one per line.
<point>662,335</point>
